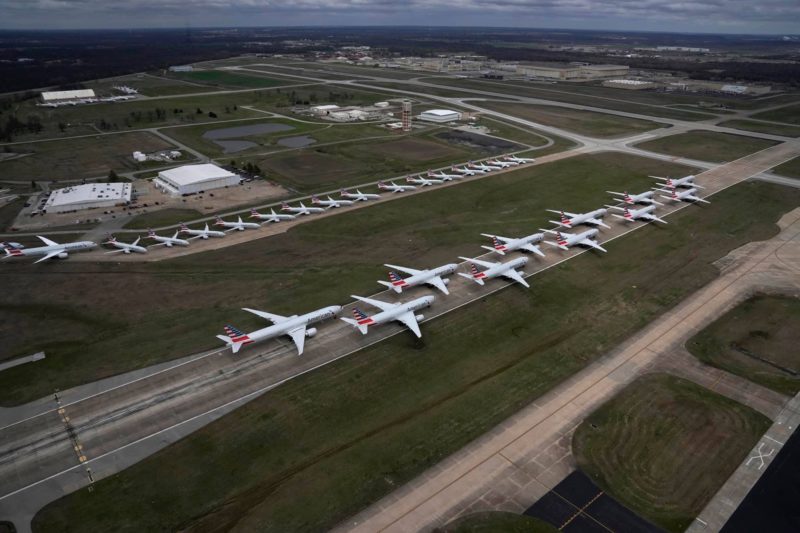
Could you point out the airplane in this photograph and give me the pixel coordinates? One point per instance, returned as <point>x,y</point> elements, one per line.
<point>294,326</point>
<point>520,160</point>
<point>125,248</point>
<point>424,182</point>
<point>566,240</point>
<point>271,217</point>
<point>481,167</point>
<point>568,220</point>
<point>402,312</point>
<point>686,195</point>
<point>204,233</point>
<point>169,242</point>
<point>641,198</point>
<point>494,269</point>
<point>444,177</point>
<point>502,164</point>
<point>330,202</point>
<point>503,245</point>
<point>466,171</point>
<point>4,245</point>
<point>50,250</point>
<point>237,226</point>
<point>687,181</point>
<point>358,196</point>
<point>392,186</point>
<point>302,210</point>
<point>431,277</point>
<point>645,213</point>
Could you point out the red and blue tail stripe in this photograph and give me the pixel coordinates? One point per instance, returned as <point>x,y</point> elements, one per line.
<point>396,280</point>
<point>497,244</point>
<point>477,274</point>
<point>361,317</point>
<point>237,335</point>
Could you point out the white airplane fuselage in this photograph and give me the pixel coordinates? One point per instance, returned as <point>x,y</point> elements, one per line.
<point>292,323</point>
<point>570,239</point>
<point>500,269</point>
<point>202,233</point>
<point>392,314</point>
<point>359,196</point>
<point>272,217</point>
<point>422,278</point>
<point>127,248</point>
<point>65,248</point>
<point>591,218</point>
<point>169,242</point>
<point>504,247</point>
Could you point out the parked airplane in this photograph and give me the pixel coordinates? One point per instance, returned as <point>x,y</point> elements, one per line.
<point>236,226</point>
<point>502,164</point>
<point>494,269</point>
<point>503,245</point>
<point>125,248</point>
<point>480,167</point>
<point>204,233</point>
<point>569,220</point>
<point>295,326</point>
<point>444,177</point>
<point>330,202</point>
<point>433,277</point>
<point>687,181</point>
<point>169,242</point>
<point>392,186</point>
<point>271,217</point>
<point>402,312</point>
<point>359,196</point>
<point>686,195</point>
<point>645,213</point>
<point>466,171</point>
<point>630,199</point>
<point>50,250</point>
<point>423,182</point>
<point>302,210</point>
<point>10,245</point>
<point>520,160</point>
<point>567,240</point>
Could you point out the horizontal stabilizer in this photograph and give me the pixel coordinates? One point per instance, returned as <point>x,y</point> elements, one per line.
<point>395,288</point>
<point>361,327</point>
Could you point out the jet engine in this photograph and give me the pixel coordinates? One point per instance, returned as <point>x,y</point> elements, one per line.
<point>446,281</point>
<point>420,317</point>
<point>63,255</point>
<point>126,250</point>
<point>310,332</point>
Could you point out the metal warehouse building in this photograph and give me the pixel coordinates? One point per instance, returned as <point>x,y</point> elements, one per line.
<point>440,115</point>
<point>49,97</point>
<point>190,179</point>
<point>88,196</point>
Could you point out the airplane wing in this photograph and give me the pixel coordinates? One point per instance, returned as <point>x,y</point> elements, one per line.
<point>383,306</point>
<point>410,322</point>
<point>407,270</point>
<point>533,248</point>
<point>498,237</point>
<point>50,255</point>
<point>515,276</point>
<point>275,319</point>
<point>439,284</point>
<point>299,337</point>
<point>593,244</point>
<point>598,222</point>
<point>484,264</point>
<point>652,218</point>
<point>47,241</point>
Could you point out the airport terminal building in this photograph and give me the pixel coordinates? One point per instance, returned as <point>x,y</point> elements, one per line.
<point>191,179</point>
<point>88,196</point>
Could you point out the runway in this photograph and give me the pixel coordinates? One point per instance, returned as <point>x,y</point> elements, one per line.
<point>49,449</point>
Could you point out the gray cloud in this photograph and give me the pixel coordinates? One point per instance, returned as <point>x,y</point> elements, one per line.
<point>745,16</point>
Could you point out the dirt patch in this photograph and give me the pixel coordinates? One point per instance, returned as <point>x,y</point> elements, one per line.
<point>414,149</point>
<point>309,168</point>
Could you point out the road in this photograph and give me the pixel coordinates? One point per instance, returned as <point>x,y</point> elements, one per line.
<point>48,449</point>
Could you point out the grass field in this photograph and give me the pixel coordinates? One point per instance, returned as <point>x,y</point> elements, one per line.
<point>664,446</point>
<point>9,212</point>
<point>317,454</point>
<point>707,145</point>
<point>756,340</point>
<point>76,159</point>
<point>149,85</point>
<point>789,114</point>
<point>583,122</point>
<point>763,127</point>
<point>162,217</point>
<point>497,522</point>
<point>336,165</point>
<point>790,169</point>
<point>231,79</point>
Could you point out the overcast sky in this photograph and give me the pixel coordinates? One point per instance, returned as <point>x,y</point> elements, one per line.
<point>723,16</point>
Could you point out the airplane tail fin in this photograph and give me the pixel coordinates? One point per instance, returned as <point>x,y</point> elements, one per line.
<point>358,320</point>
<point>253,213</point>
<point>235,338</point>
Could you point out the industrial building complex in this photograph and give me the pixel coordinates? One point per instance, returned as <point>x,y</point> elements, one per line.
<point>191,179</point>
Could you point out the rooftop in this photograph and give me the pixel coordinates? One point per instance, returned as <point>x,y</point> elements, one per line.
<point>188,174</point>
<point>78,194</point>
<point>439,112</point>
<point>64,95</point>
